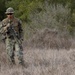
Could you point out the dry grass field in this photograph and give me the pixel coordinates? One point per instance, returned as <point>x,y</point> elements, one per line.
<point>44,54</point>
<point>41,62</point>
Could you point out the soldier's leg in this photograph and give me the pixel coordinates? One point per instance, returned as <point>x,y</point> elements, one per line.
<point>19,53</point>
<point>10,51</point>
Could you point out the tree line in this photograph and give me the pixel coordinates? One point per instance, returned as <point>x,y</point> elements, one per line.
<point>23,9</point>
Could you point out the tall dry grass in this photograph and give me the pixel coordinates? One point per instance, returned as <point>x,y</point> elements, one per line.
<point>47,38</point>
<point>42,62</point>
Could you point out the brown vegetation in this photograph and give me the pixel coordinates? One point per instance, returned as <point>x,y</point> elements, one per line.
<point>48,38</point>
<point>42,62</point>
<point>60,60</point>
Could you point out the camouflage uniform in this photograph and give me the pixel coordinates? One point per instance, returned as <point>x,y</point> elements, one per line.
<point>13,48</point>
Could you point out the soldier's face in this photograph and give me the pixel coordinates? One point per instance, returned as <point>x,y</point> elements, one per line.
<point>10,16</point>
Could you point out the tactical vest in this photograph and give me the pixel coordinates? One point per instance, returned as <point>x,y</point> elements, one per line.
<point>15,22</point>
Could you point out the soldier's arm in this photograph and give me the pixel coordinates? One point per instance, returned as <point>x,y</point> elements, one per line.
<point>21,30</point>
<point>2,32</point>
<point>4,27</point>
<point>1,27</point>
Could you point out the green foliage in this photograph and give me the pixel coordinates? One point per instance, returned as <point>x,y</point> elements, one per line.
<point>25,8</point>
<point>2,9</point>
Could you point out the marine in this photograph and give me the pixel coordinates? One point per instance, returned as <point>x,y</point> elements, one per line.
<point>11,29</point>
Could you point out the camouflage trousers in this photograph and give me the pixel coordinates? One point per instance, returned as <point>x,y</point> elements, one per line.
<point>14,51</point>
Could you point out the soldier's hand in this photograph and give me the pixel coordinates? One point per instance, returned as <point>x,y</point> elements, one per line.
<point>5,29</point>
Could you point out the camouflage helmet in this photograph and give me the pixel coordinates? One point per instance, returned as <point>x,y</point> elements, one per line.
<point>9,10</point>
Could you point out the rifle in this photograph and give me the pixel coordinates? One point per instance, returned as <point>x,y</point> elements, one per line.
<point>14,33</point>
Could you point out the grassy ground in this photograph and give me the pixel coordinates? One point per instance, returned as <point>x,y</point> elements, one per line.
<point>41,62</point>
